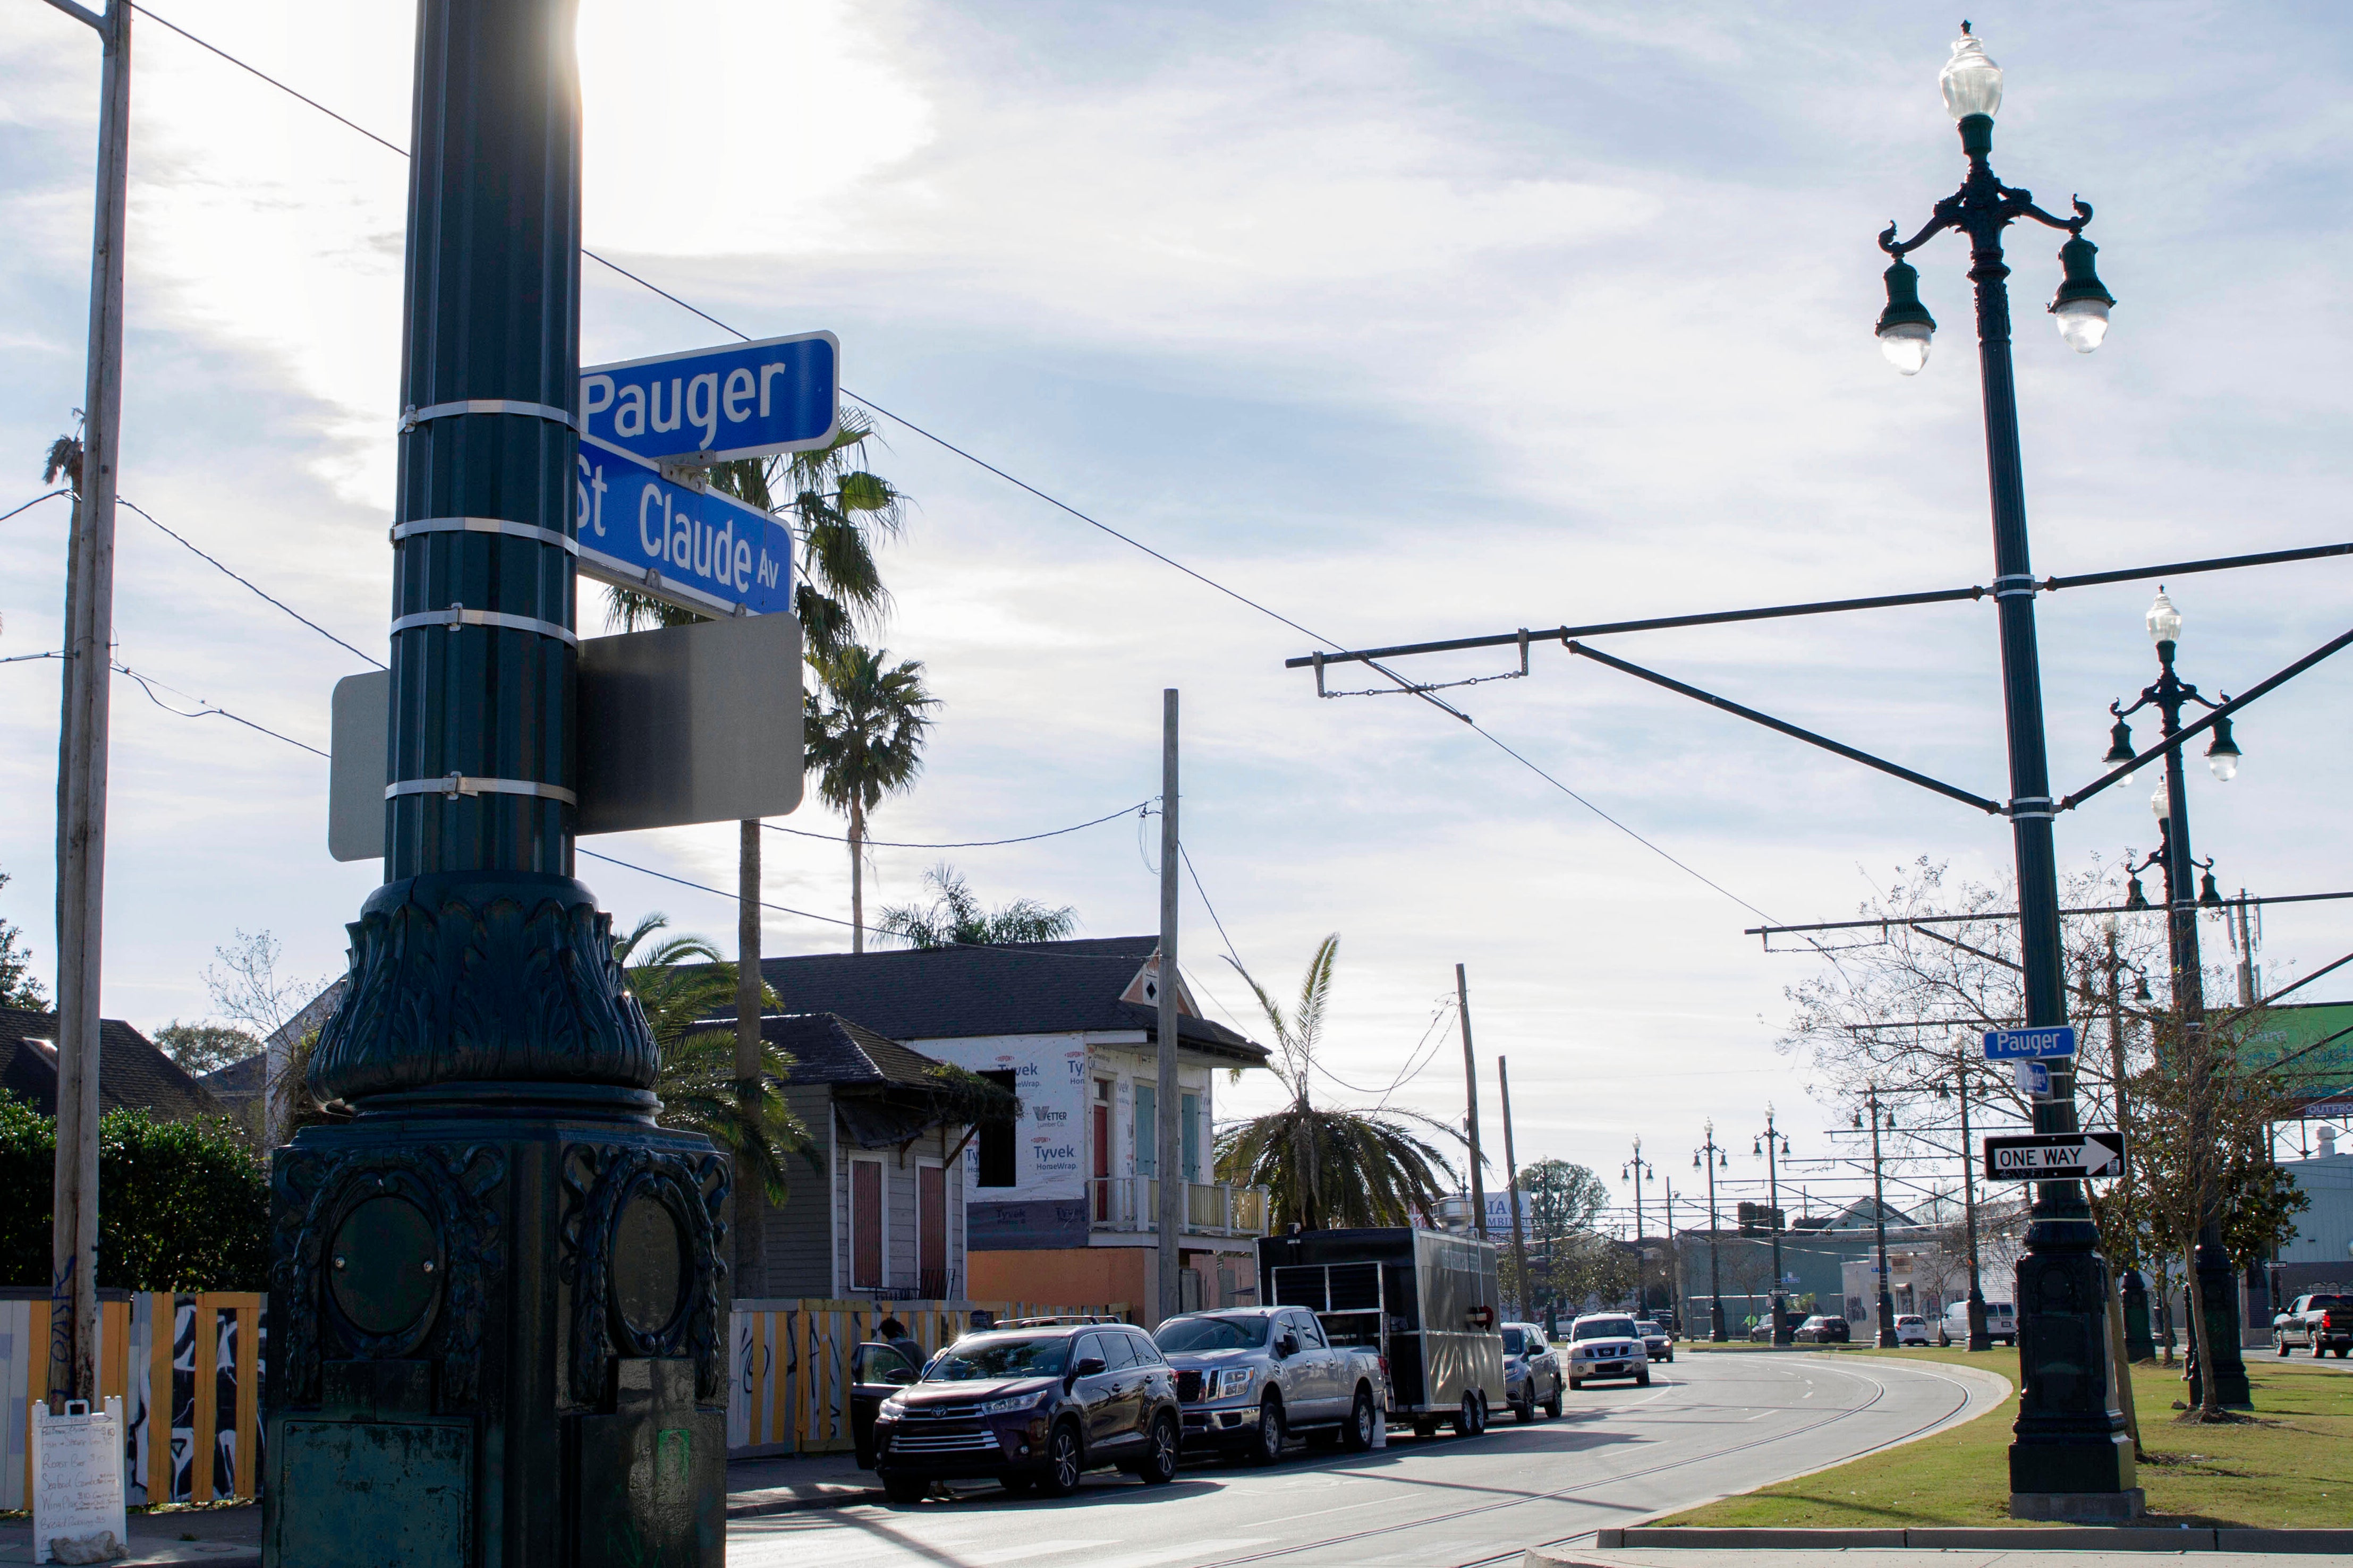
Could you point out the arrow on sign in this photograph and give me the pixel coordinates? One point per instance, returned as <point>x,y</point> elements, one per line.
<point>2052,1156</point>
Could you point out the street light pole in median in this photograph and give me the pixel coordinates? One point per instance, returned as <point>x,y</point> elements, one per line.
<point>1635,1171</point>
<point>2073,1457</point>
<point>1708,1157</point>
<point>2218,1319</point>
<point>1763,1145</point>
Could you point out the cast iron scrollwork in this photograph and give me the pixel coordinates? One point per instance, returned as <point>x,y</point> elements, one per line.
<point>451,1185</point>
<point>600,1181</point>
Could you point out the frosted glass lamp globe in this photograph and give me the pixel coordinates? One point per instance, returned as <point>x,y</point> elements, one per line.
<point>1971,81</point>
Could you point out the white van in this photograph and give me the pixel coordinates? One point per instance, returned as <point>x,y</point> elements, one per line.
<point>2001,1323</point>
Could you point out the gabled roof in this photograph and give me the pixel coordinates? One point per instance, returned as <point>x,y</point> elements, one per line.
<point>829,1049</point>
<point>963,993</point>
<point>241,1082</point>
<point>130,1071</point>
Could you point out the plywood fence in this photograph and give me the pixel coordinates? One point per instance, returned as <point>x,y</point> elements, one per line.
<point>188,1371</point>
<point>791,1362</point>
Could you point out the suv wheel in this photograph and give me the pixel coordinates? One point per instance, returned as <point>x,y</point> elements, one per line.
<point>1159,1466</point>
<point>1064,1462</point>
<point>905,1490</point>
<point>1642,1378</point>
<point>1525,1410</point>
<point>1361,1432</point>
<point>1269,1446</point>
<point>1020,1483</point>
<point>1552,1406</point>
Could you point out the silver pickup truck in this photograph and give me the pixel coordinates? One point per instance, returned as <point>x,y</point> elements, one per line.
<point>1248,1377</point>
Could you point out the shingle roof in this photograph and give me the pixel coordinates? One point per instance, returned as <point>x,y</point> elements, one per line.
<point>961,993</point>
<point>240,1081</point>
<point>130,1071</point>
<point>829,1049</point>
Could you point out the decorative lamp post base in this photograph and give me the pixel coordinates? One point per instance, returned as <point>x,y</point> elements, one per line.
<point>2090,1507</point>
<point>2139,1344</point>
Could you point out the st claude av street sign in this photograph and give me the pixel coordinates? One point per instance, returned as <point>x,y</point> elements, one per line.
<point>698,548</point>
<point>2016,1044</point>
<point>2053,1157</point>
<point>713,406</point>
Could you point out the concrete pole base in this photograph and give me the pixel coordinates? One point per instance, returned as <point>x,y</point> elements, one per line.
<point>2130,1503</point>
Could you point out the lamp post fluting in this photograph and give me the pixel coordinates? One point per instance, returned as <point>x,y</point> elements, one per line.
<point>1708,1157</point>
<point>2218,1352</point>
<point>2073,1457</point>
<point>1764,1145</point>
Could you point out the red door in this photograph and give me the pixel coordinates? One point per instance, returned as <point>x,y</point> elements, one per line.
<point>931,1232</point>
<point>865,1225</point>
<point>1102,1150</point>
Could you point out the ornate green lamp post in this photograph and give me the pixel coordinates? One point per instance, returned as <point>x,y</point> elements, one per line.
<point>2072,1457</point>
<point>499,1303</point>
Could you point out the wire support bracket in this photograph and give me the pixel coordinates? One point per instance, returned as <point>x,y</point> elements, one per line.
<point>412,415</point>
<point>1422,688</point>
<point>457,786</point>
<point>499,526</point>
<point>458,616</point>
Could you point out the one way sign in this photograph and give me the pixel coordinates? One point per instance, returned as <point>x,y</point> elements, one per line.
<point>2052,1156</point>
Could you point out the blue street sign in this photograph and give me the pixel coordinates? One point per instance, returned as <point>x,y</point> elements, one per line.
<point>2012,1045</point>
<point>709,405</point>
<point>706,552</point>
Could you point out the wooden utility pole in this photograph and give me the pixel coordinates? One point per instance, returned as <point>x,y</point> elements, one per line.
<point>1512,1191</point>
<point>81,745</point>
<point>750,1201</point>
<point>1470,1084</point>
<point>1168,1148</point>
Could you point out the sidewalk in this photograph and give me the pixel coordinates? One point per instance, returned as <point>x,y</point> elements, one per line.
<point>1864,1557</point>
<point>231,1537</point>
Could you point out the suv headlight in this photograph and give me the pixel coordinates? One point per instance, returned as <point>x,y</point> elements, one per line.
<point>893,1408</point>
<point>1232,1381</point>
<point>1018,1402</point>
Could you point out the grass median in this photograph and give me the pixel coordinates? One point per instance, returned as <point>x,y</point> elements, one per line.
<point>2290,1468</point>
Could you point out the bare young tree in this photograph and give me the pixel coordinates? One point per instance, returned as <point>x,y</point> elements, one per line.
<point>247,988</point>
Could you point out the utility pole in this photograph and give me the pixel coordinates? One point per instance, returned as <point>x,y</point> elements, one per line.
<point>1709,1157</point>
<point>1978,1340</point>
<point>751,1229</point>
<point>1676,1295</point>
<point>1471,1081</point>
<point>82,743</point>
<point>1879,1224</point>
<point>1168,1152</point>
<point>1636,1170</point>
<point>1512,1191</point>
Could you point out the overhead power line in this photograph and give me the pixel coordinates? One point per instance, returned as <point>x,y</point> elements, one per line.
<point>967,843</point>
<point>248,583</point>
<point>37,500</point>
<point>1022,484</point>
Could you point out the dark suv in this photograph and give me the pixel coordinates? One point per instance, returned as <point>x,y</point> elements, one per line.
<point>1034,1404</point>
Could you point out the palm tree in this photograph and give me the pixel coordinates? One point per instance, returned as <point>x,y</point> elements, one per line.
<point>1330,1167</point>
<point>955,918</point>
<point>865,742</point>
<point>681,981</point>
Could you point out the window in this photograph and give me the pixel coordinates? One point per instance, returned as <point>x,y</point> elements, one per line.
<point>1191,1107</point>
<point>1147,1130</point>
<point>998,1160</point>
<point>1089,1345</point>
<point>1311,1332</point>
<point>866,1224</point>
<point>932,1230</point>
<point>1146,1353</point>
<point>1117,1353</point>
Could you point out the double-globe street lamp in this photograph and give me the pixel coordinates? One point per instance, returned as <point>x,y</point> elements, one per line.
<point>1763,1145</point>
<point>1881,1118</point>
<point>1709,1157</point>
<point>2072,1456</point>
<point>2217,1317</point>
<point>1634,1172</point>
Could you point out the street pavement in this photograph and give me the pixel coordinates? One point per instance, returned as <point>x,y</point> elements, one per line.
<point>1709,1425</point>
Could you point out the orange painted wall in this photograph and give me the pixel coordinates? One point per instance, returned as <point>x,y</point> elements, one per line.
<point>1080,1276</point>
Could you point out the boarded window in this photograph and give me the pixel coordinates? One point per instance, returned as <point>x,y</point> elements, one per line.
<point>1147,1130</point>
<point>866,1224</point>
<point>931,1220</point>
<point>997,1141</point>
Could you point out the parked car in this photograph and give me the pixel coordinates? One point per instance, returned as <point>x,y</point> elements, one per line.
<point>2000,1318</point>
<point>2323,1322</point>
<point>1911,1329</point>
<point>1036,1404</point>
<point>1760,1332</point>
<point>1246,1377</point>
<point>1606,1344</point>
<point>1655,1340</point>
<point>1819,1330</point>
<point>1532,1375</point>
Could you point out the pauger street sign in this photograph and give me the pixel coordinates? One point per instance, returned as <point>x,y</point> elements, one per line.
<point>711,405</point>
<point>2013,1045</point>
<point>2054,1155</point>
<point>699,549</point>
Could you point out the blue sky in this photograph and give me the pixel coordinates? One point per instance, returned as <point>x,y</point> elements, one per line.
<point>1404,321</point>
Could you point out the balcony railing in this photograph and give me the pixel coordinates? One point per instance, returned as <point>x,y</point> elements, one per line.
<point>1132,1203</point>
<point>916,1285</point>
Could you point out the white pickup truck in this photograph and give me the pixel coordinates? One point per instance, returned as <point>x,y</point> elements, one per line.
<point>1249,1377</point>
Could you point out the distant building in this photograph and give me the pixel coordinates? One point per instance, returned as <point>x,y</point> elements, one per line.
<point>131,1073</point>
<point>1060,1207</point>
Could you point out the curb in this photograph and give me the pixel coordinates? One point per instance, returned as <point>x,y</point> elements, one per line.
<point>760,1507</point>
<point>2070,1538</point>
